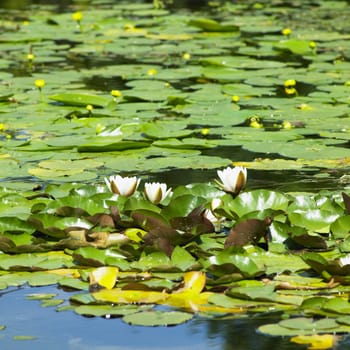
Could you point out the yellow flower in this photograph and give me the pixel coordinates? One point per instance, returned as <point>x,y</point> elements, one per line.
<point>290,82</point>
<point>205,131</point>
<point>77,16</point>
<point>232,179</point>
<point>255,123</point>
<point>235,98</point>
<point>156,192</point>
<point>129,26</point>
<point>312,45</point>
<point>89,107</point>
<point>186,56</point>
<point>290,90</point>
<point>124,186</point>
<point>304,107</point>
<point>286,31</point>
<point>39,83</point>
<point>152,71</point>
<point>287,125</point>
<point>116,93</point>
<point>30,57</point>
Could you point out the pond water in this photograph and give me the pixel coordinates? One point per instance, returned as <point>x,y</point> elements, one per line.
<point>317,159</point>
<point>66,330</point>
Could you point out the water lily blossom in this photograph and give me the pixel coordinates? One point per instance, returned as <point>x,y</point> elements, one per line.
<point>210,213</point>
<point>232,179</point>
<point>125,186</point>
<point>156,192</point>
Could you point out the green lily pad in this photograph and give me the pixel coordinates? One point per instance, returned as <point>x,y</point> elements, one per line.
<point>81,99</point>
<point>158,318</point>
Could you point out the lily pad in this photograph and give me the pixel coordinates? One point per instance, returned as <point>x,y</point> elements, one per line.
<point>158,318</point>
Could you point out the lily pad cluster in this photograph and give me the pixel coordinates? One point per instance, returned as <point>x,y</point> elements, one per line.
<point>151,89</point>
<point>203,249</point>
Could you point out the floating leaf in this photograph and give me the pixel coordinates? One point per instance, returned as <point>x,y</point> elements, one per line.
<point>81,99</point>
<point>108,310</point>
<point>258,200</point>
<point>104,276</point>
<point>211,25</point>
<point>324,341</point>
<point>158,318</point>
<point>119,296</point>
<point>24,337</point>
<point>248,231</point>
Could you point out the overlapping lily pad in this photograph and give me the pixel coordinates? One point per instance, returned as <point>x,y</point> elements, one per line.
<point>165,72</point>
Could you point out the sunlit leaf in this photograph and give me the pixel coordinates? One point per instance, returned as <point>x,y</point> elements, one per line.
<point>324,341</point>
<point>119,296</point>
<point>104,276</point>
<point>80,99</point>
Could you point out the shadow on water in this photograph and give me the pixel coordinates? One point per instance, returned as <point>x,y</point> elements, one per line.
<point>310,180</point>
<point>289,181</point>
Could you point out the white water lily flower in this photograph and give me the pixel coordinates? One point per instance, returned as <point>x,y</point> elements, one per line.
<point>210,213</point>
<point>232,179</point>
<point>125,186</point>
<point>345,260</point>
<point>215,203</point>
<point>156,192</point>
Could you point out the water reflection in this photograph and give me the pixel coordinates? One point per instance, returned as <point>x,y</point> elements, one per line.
<point>66,330</point>
<point>289,181</point>
<point>241,334</point>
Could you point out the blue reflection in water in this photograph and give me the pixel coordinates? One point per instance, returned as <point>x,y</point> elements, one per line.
<point>66,330</point>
